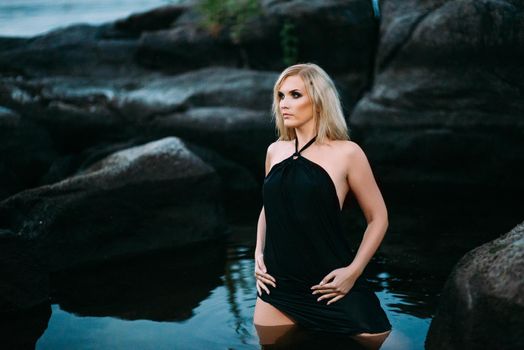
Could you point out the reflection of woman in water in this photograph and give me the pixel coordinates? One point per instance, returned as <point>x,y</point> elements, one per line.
<point>306,274</point>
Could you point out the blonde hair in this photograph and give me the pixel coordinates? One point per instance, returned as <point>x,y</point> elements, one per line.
<point>327,109</point>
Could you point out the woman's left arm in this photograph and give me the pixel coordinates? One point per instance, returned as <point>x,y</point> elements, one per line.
<point>363,185</point>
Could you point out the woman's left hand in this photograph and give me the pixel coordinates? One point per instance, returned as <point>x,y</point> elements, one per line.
<point>336,284</point>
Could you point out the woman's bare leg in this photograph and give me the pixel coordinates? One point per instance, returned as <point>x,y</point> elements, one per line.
<point>270,322</point>
<point>371,340</point>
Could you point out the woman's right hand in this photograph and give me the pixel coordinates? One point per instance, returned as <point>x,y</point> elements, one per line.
<point>261,274</point>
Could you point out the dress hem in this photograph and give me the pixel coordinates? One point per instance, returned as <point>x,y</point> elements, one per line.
<point>340,332</point>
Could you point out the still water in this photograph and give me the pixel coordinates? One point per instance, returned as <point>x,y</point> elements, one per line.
<point>32,17</point>
<point>202,299</point>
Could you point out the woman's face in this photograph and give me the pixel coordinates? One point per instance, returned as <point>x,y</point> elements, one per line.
<point>295,105</point>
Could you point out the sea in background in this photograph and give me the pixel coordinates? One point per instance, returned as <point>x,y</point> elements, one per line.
<point>23,18</point>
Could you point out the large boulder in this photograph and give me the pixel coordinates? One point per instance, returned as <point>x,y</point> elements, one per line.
<point>446,103</point>
<point>75,50</point>
<point>156,19</point>
<point>149,197</point>
<point>349,25</point>
<point>482,303</point>
<point>185,47</point>
<point>278,33</point>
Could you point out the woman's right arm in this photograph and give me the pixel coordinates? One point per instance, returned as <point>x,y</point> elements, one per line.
<point>261,226</point>
<point>261,274</point>
<point>261,233</point>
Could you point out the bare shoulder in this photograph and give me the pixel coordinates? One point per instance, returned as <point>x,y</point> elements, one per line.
<point>350,149</point>
<point>277,147</point>
<point>357,163</point>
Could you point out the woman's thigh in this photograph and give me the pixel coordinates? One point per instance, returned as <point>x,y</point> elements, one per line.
<point>268,315</point>
<point>270,323</point>
<point>371,340</point>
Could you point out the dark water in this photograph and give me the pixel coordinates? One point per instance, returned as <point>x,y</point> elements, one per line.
<point>159,302</point>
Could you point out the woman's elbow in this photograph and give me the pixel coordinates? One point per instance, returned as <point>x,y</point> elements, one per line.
<point>382,220</point>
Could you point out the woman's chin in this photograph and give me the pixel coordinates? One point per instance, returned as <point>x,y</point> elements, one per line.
<point>289,123</point>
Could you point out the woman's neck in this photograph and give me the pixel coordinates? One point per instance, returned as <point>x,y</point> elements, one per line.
<point>305,135</point>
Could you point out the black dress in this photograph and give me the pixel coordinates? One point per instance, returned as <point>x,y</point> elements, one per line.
<point>304,242</point>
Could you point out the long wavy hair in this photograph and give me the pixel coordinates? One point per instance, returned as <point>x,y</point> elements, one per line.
<point>327,109</point>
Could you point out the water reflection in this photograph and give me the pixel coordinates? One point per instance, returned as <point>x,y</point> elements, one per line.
<point>293,337</point>
<point>237,280</point>
<point>414,293</point>
<point>204,298</point>
<point>164,286</point>
<point>21,330</point>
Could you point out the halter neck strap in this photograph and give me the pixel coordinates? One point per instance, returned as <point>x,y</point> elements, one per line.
<point>297,152</point>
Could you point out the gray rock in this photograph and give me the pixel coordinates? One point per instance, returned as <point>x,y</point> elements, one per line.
<point>173,39</point>
<point>446,102</point>
<point>154,196</point>
<point>237,181</point>
<point>349,25</point>
<point>212,86</point>
<point>156,19</point>
<point>185,47</point>
<point>98,103</point>
<point>240,135</point>
<point>482,303</point>
<point>8,117</point>
<point>80,50</point>
<point>218,108</point>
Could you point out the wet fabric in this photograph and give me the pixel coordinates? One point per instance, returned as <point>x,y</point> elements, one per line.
<point>304,242</point>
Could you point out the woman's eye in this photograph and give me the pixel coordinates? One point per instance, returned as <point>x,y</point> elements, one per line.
<point>296,95</point>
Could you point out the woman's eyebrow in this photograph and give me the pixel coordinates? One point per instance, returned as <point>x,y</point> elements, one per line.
<point>291,90</point>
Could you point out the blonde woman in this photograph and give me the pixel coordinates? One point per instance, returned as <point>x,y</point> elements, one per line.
<point>306,274</point>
